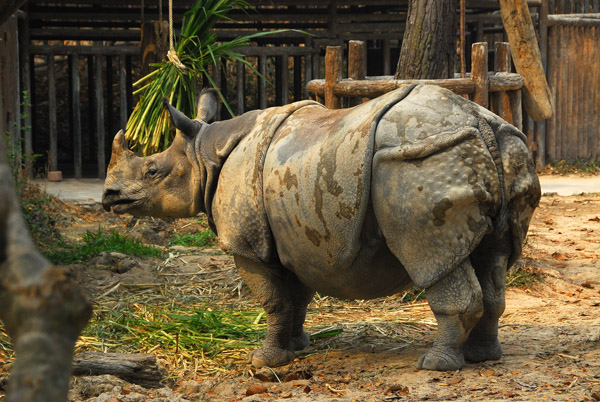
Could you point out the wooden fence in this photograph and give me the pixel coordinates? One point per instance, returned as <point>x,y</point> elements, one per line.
<point>500,91</point>
<point>573,75</point>
<point>88,93</point>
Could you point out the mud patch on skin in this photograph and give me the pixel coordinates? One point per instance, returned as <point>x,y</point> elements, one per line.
<point>439,211</point>
<point>313,236</point>
<point>290,180</point>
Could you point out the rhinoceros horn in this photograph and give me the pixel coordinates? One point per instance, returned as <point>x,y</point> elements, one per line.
<point>119,144</point>
<point>183,123</point>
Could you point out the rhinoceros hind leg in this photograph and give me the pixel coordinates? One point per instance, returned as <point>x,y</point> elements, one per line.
<point>284,300</point>
<point>457,304</point>
<point>490,261</point>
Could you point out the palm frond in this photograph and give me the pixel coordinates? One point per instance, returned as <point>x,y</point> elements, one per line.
<point>149,127</point>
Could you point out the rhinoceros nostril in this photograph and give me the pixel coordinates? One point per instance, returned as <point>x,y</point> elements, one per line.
<point>112,192</point>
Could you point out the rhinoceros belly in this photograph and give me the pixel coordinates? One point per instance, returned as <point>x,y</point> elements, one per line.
<point>316,180</point>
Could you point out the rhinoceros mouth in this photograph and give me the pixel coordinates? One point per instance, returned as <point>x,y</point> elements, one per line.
<point>119,206</point>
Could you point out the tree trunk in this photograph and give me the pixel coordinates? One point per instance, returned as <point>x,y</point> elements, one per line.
<point>429,45</point>
<point>42,309</point>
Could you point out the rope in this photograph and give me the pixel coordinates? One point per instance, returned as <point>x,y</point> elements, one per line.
<point>172,54</point>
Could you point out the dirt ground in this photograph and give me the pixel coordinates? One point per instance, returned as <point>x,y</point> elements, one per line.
<point>550,332</point>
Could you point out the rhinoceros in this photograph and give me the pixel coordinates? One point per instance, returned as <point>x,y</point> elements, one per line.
<point>416,187</point>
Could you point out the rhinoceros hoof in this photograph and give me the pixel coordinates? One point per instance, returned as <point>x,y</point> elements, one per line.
<point>479,352</point>
<point>441,361</point>
<point>271,357</point>
<point>300,342</point>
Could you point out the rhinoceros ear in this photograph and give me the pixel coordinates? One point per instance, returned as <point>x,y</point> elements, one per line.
<point>208,103</point>
<point>183,123</point>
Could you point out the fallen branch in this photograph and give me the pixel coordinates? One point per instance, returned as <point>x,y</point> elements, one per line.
<point>137,368</point>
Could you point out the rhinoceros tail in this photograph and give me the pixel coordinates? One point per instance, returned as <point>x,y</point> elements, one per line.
<point>489,138</point>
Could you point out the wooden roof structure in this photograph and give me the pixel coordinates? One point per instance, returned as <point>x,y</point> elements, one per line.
<point>120,20</point>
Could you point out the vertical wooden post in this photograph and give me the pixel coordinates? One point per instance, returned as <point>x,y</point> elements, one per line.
<point>500,100</point>
<point>25,65</point>
<point>262,83</point>
<point>52,127</point>
<point>76,115</point>
<point>333,74</point>
<point>284,89</point>
<point>297,78</point>
<point>216,76</point>
<point>386,57</point>
<point>122,91</point>
<point>479,72</point>
<point>109,96</point>
<point>241,86</point>
<point>357,64</point>
<point>99,103</point>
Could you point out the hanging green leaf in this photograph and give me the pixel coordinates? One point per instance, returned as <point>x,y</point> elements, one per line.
<point>149,127</point>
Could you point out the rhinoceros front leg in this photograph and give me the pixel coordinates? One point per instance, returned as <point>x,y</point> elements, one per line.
<point>284,300</point>
<point>490,261</point>
<point>456,302</point>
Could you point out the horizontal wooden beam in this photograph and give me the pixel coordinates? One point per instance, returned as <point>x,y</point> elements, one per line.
<point>372,88</point>
<point>85,50</point>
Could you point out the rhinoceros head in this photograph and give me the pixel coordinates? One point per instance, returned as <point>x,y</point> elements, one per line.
<point>165,184</point>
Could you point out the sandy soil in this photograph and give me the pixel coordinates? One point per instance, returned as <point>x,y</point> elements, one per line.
<point>550,332</point>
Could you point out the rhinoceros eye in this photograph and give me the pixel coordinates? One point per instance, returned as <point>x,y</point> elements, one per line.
<point>151,171</point>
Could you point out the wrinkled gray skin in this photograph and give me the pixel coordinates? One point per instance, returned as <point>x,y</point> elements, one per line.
<point>419,186</point>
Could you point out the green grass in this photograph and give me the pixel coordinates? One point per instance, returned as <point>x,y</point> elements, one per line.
<point>523,277</point>
<point>93,243</point>
<point>175,329</point>
<point>200,239</point>
<point>579,165</point>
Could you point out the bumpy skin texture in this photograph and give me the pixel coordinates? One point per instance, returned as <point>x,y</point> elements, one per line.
<point>417,186</point>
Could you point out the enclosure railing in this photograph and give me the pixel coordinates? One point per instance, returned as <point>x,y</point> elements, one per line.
<point>500,90</point>
<point>89,95</point>
<point>95,55</point>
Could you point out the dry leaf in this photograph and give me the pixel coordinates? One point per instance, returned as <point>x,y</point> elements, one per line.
<point>256,389</point>
<point>398,389</point>
<point>263,377</point>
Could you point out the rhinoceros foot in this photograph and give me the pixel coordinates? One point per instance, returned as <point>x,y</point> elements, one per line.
<point>441,360</point>
<point>271,357</point>
<point>300,342</point>
<point>482,351</point>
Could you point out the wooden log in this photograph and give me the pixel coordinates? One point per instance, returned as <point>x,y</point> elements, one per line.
<point>479,73</point>
<point>76,116</point>
<point>373,88</point>
<point>527,57</point>
<point>357,65</point>
<point>333,74</point>
<point>52,126</point>
<point>137,368</point>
